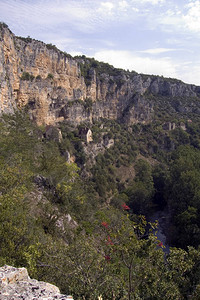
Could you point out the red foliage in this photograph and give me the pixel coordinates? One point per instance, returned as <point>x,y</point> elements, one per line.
<point>107,257</point>
<point>109,242</point>
<point>160,244</point>
<point>125,207</point>
<point>105,224</point>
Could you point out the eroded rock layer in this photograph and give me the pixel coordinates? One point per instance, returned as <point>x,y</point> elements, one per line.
<point>54,87</point>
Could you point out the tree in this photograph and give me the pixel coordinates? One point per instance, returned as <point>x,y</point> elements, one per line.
<point>183,194</point>
<point>113,257</point>
<point>18,238</point>
<point>141,191</point>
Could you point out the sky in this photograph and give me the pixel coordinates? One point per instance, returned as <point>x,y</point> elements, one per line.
<point>160,37</point>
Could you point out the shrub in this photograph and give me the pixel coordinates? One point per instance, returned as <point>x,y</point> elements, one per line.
<point>51,47</point>
<point>27,76</point>
<point>28,39</point>
<point>3,25</point>
<point>88,104</point>
<point>50,76</point>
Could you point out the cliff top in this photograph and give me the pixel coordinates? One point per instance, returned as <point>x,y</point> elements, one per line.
<point>88,62</point>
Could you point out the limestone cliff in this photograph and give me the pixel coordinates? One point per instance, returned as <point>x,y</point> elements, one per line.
<point>53,86</point>
<point>16,284</point>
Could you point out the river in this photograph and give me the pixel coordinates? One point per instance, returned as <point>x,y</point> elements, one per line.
<point>162,216</point>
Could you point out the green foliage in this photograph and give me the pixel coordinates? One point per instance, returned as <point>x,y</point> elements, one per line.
<point>122,153</point>
<point>141,190</point>
<point>38,77</point>
<point>16,235</point>
<point>18,239</point>
<point>3,25</point>
<point>50,76</point>
<point>120,82</point>
<point>26,40</point>
<point>27,76</point>
<point>88,104</point>
<point>102,250</point>
<point>101,68</point>
<point>19,139</point>
<point>183,194</point>
<point>51,47</point>
<point>113,259</point>
<point>182,137</point>
<point>160,177</point>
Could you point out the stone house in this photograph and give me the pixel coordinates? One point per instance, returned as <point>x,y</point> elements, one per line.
<point>169,126</point>
<point>86,134</point>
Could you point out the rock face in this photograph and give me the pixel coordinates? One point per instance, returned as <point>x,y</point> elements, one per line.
<point>16,284</point>
<point>54,87</point>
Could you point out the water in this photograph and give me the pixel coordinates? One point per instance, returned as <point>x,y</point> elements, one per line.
<point>162,216</point>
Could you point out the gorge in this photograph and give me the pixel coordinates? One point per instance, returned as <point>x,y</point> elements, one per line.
<point>86,152</point>
<point>54,86</point>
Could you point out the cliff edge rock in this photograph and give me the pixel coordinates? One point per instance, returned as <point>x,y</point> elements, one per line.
<point>16,284</point>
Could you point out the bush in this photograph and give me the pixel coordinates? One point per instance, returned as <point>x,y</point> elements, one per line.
<point>38,77</point>
<point>88,104</point>
<point>50,76</point>
<point>51,47</point>
<point>27,76</point>
<point>3,25</point>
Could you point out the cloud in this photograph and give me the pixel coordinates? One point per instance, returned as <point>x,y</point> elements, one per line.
<point>165,66</point>
<point>106,8</point>
<point>156,51</point>
<point>75,53</point>
<point>123,5</point>
<point>135,9</point>
<point>85,26</point>
<point>190,72</point>
<point>73,11</point>
<point>170,21</point>
<point>79,15</point>
<point>191,18</point>
<point>63,43</point>
<point>183,19</point>
<point>153,2</point>
<point>86,16</point>
<point>107,5</point>
<point>127,60</point>
<point>174,41</point>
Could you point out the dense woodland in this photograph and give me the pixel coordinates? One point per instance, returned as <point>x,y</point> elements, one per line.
<point>83,226</point>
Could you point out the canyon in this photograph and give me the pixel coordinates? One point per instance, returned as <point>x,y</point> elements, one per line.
<point>53,86</point>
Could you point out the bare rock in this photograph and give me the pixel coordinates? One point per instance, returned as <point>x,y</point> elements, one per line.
<point>52,85</point>
<point>16,284</point>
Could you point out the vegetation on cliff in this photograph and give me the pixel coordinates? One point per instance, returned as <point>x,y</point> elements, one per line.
<point>86,233</point>
<point>73,212</point>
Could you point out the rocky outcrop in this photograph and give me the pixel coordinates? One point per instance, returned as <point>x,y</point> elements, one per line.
<point>54,87</point>
<point>16,284</point>
<point>172,88</point>
<point>93,149</point>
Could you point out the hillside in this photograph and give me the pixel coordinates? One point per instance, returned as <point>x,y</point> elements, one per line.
<point>89,154</point>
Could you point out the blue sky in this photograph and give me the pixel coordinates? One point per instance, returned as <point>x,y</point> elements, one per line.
<point>160,37</point>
